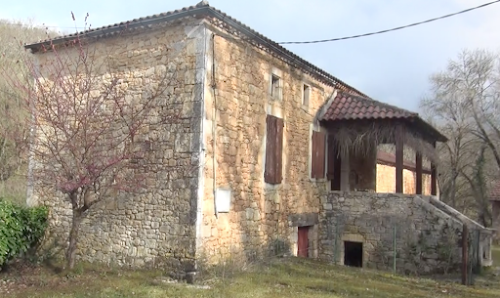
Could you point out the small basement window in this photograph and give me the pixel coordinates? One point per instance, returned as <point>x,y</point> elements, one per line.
<point>353,254</point>
<point>306,93</point>
<point>275,87</point>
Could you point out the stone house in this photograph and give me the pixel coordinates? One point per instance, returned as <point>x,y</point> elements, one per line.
<point>286,156</point>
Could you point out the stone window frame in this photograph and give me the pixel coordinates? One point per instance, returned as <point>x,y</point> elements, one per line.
<point>276,76</point>
<point>310,220</point>
<point>353,238</point>
<point>306,96</point>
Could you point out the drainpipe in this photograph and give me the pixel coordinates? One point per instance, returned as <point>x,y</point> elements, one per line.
<point>214,127</point>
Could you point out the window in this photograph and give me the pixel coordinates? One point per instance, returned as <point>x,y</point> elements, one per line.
<point>275,87</point>
<point>274,148</point>
<point>318,155</point>
<point>306,93</point>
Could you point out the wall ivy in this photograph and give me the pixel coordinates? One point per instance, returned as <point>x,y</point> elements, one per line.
<point>21,229</point>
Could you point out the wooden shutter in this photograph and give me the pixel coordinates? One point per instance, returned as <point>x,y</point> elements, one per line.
<point>318,155</point>
<point>274,150</point>
<point>279,151</point>
<point>269,173</point>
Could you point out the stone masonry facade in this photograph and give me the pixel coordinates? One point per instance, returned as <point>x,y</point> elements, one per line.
<point>157,227</point>
<point>260,215</point>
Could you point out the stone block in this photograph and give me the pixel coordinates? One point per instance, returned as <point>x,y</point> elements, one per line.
<point>249,214</point>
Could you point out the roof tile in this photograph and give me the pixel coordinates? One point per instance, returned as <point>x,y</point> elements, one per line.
<point>347,106</point>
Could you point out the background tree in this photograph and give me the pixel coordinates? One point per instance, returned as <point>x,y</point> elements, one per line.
<point>464,105</point>
<point>13,158</point>
<point>92,132</point>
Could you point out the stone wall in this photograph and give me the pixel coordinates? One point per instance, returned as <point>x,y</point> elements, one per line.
<point>426,238</point>
<point>154,227</point>
<point>259,215</point>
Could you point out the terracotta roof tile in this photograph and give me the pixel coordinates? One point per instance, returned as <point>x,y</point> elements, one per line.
<point>347,106</point>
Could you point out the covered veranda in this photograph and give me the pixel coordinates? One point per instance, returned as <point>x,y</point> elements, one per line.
<point>356,126</point>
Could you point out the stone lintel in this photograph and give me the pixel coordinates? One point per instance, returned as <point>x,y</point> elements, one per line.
<point>303,219</point>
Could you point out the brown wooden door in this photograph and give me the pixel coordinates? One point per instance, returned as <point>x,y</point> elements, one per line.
<point>303,242</point>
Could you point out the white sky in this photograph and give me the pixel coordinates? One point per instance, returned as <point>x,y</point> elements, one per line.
<point>392,67</point>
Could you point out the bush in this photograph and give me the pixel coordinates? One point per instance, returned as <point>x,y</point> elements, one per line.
<point>21,229</point>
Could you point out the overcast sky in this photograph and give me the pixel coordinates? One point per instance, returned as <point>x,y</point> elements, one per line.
<point>392,67</point>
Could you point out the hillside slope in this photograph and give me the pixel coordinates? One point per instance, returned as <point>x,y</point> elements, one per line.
<point>282,278</point>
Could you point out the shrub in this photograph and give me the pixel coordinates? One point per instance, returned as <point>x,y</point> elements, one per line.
<point>21,229</point>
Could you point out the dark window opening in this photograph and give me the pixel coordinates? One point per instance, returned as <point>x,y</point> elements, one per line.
<point>353,254</point>
<point>334,165</point>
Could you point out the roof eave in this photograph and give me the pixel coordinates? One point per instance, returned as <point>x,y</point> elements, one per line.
<point>111,29</point>
<point>204,10</point>
<point>437,135</point>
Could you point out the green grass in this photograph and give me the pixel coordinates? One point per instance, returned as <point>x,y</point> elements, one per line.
<point>495,252</point>
<point>291,278</point>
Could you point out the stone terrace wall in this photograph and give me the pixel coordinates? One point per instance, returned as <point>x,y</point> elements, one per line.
<point>156,227</point>
<point>259,214</point>
<point>427,239</point>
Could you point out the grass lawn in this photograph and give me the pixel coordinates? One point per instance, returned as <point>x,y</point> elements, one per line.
<point>496,256</point>
<point>285,278</point>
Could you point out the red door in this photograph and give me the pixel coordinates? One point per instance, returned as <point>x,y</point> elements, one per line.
<point>303,242</point>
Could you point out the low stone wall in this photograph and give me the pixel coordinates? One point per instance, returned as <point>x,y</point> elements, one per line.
<point>425,239</point>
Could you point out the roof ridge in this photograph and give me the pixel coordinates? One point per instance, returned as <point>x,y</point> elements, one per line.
<point>204,7</point>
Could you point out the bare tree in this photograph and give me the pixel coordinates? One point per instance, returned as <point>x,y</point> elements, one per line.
<point>91,134</point>
<point>478,186</point>
<point>13,158</point>
<point>464,105</point>
<point>453,118</point>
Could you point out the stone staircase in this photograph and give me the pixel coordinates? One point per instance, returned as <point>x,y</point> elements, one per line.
<point>486,234</point>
